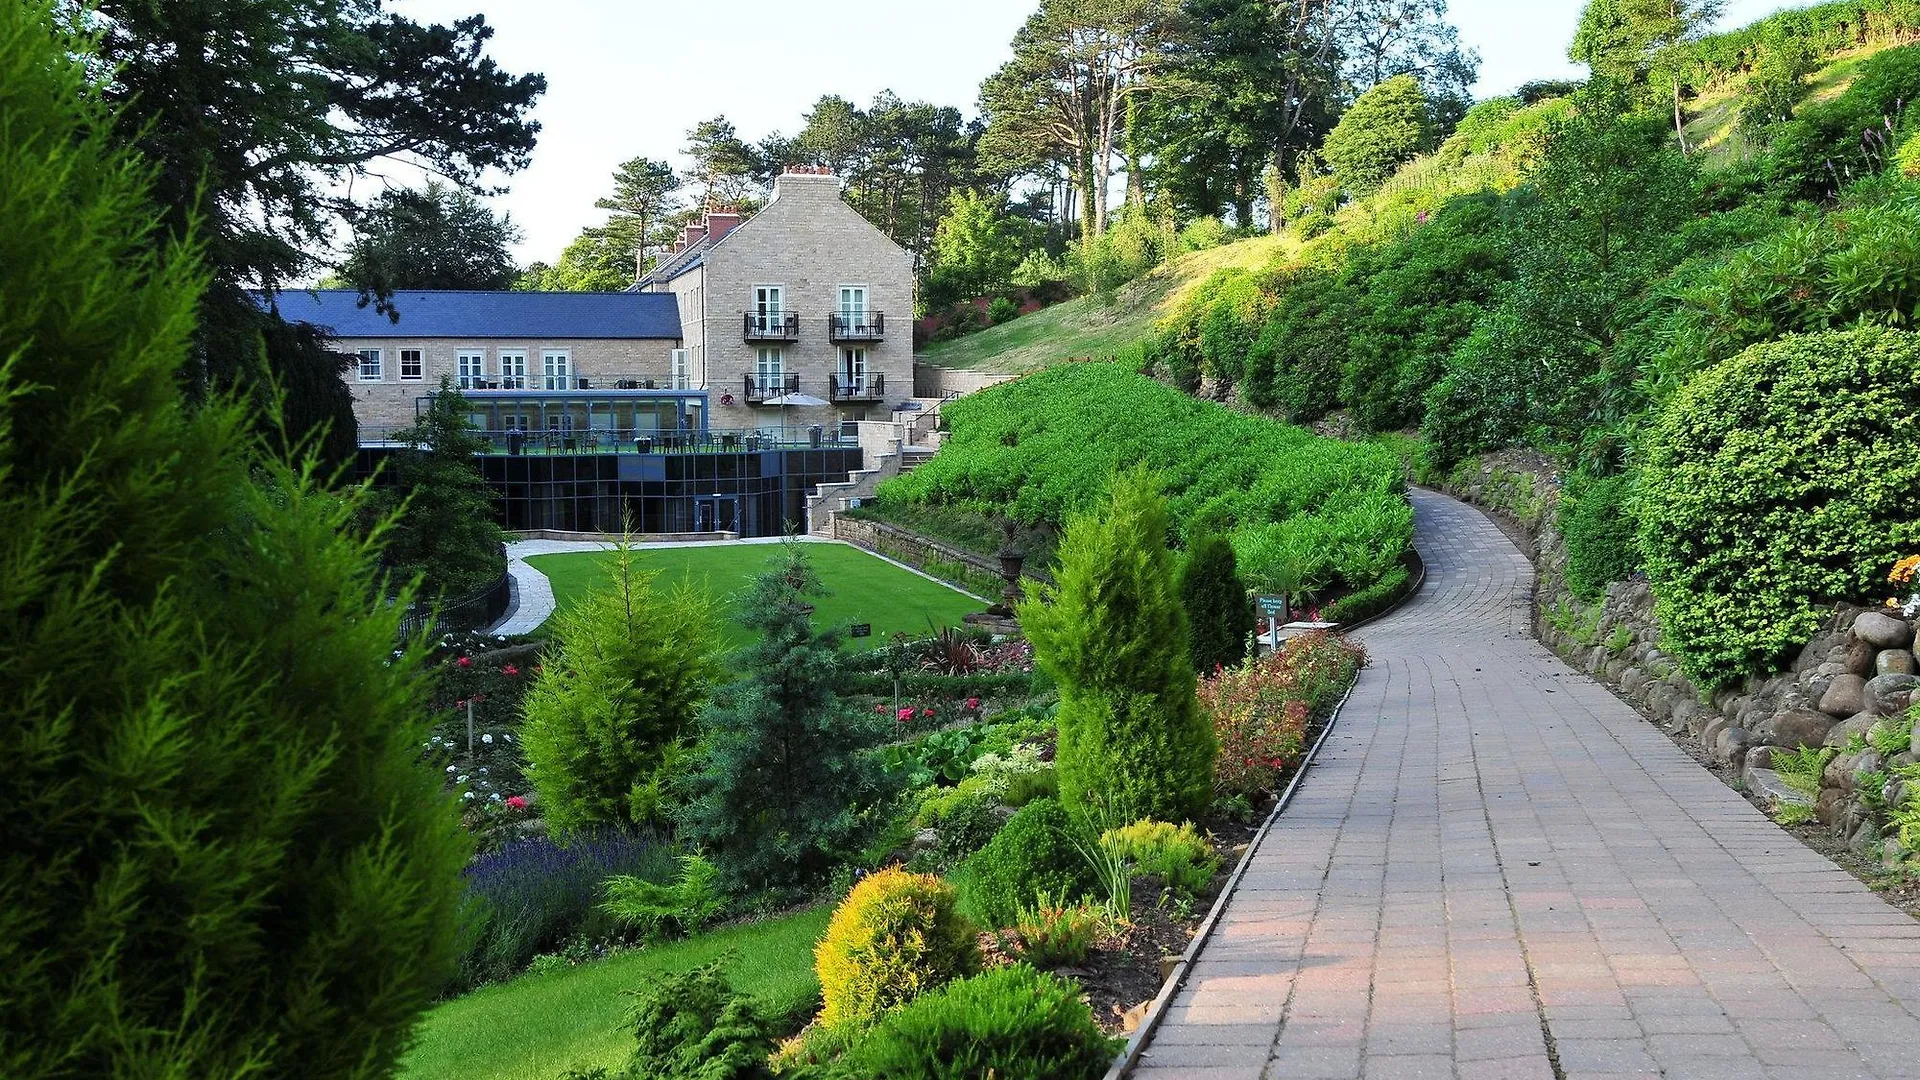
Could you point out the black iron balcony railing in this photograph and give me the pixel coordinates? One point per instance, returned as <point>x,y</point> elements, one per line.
<point>781,326</point>
<point>859,388</point>
<point>856,326</point>
<point>763,387</point>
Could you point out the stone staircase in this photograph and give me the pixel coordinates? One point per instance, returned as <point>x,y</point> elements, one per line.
<point>917,437</point>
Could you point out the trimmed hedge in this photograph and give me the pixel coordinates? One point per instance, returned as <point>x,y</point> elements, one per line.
<point>895,936</point>
<point>1776,483</point>
<point>1599,531</point>
<point>1011,1023</point>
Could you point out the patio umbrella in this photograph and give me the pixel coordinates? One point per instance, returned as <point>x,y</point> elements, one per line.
<point>797,399</point>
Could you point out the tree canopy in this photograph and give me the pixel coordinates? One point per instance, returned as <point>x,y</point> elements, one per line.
<point>438,237</point>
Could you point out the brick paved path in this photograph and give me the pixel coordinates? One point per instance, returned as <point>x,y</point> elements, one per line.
<point>1498,871</point>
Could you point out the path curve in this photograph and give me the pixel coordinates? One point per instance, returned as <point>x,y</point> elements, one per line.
<point>1497,870</point>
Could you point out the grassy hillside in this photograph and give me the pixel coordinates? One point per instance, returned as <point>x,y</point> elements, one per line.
<point>1715,127</point>
<point>1098,325</point>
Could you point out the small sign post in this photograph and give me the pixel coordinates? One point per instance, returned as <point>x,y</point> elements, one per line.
<point>1275,609</point>
<point>860,629</point>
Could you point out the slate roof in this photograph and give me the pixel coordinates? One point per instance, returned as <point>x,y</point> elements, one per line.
<point>682,261</point>
<point>458,314</point>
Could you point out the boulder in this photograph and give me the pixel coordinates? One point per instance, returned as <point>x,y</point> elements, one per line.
<point>1893,662</point>
<point>1731,744</point>
<point>1829,806</point>
<point>1684,711</point>
<point>1815,652</point>
<point>1867,763</point>
<point>1860,656</point>
<point>1759,757</point>
<point>1843,732</point>
<point>1796,728</point>
<point>1632,681</point>
<point>1888,695</point>
<point>1882,631</point>
<point>1844,696</point>
<point>1713,728</point>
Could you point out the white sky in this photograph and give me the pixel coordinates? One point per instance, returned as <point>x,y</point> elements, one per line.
<point>629,78</point>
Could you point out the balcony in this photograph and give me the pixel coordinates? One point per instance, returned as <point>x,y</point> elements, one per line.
<point>781,327</point>
<point>762,387</point>
<point>861,389</point>
<point>850,326</point>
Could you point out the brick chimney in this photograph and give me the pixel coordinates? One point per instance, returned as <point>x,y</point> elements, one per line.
<point>722,222</point>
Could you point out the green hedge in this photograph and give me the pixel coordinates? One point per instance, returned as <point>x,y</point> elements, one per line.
<point>1599,531</point>
<point>1774,484</point>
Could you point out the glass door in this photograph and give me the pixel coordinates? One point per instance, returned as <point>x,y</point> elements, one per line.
<point>853,372</point>
<point>853,307</point>
<point>767,369</point>
<point>767,308</point>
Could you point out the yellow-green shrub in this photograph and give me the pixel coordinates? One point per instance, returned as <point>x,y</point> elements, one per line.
<point>895,936</point>
<point>1177,854</point>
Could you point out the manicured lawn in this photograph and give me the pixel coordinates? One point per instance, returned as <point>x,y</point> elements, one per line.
<point>536,1026</point>
<point>864,589</point>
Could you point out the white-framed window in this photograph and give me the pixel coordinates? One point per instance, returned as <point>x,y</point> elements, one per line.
<point>369,365</point>
<point>853,304</point>
<point>470,368</point>
<point>513,369</point>
<point>679,374</point>
<point>853,372</point>
<point>769,307</point>
<point>555,365</point>
<point>412,367</point>
<point>768,367</point>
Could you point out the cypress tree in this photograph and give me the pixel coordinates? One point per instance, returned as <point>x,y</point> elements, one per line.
<point>445,532</point>
<point>610,712</point>
<point>1219,614</point>
<point>220,857</point>
<point>1112,633</point>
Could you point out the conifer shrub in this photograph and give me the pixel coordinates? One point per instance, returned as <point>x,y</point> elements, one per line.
<point>1034,854</point>
<point>1010,1023</point>
<point>220,858</point>
<point>445,531</point>
<point>1112,633</point>
<point>1599,530</point>
<point>893,938</point>
<point>781,775</point>
<point>1219,612</point>
<point>693,1026</point>
<point>1775,484</point>
<point>612,708</point>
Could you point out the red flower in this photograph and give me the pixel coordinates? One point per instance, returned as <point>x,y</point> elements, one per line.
<point>906,714</point>
<point>509,671</point>
<point>928,711</point>
<point>973,704</point>
<point>881,709</point>
<point>517,802</point>
<point>465,661</point>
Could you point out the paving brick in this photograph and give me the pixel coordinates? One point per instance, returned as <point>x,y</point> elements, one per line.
<point>1490,838</point>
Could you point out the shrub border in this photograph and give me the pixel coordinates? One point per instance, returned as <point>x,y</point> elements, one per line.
<point>1129,1055</point>
<point>1416,578</point>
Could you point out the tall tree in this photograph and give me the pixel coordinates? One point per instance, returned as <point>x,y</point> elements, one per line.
<point>445,531</point>
<point>976,248</point>
<point>1079,72</point>
<point>1380,39</point>
<point>436,238</point>
<point>261,113</point>
<point>723,164</point>
<point>220,856</point>
<point>600,259</point>
<point>643,194</point>
<point>1386,127</point>
<point>1623,40</point>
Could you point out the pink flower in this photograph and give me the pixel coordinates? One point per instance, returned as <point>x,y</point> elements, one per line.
<point>461,704</point>
<point>465,661</point>
<point>973,704</point>
<point>881,709</point>
<point>928,711</point>
<point>509,671</point>
<point>906,714</point>
<point>517,802</point>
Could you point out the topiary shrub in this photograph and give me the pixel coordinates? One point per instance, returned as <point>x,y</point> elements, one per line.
<point>1599,529</point>
<point>1383,128</point>
<point>1033,854</point>
<point>1114,635</point>
<point>1011,1023</point>
<point>692,1026</point>
<point>1776,483</point>
<point>1219,613</point>
<point>221,857</point>
<point>894,937</point>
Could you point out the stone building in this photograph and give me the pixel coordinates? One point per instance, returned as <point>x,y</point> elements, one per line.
<point>793,303</point>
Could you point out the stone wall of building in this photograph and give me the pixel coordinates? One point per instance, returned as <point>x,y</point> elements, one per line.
<point>389,402</point>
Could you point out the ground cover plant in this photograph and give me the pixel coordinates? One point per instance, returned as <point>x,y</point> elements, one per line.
<point>861,588</point>
<point>1046,446</point>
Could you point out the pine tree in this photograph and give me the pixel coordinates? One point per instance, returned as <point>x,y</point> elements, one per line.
<point>1111,632</point>
<point>220,856</point>
<point>611,709</point>
<point>445,531</point>
<point>783,779</point>
<point>1219,615</point>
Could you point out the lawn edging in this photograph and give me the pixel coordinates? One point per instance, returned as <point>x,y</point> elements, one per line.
<point>1129,1055</point>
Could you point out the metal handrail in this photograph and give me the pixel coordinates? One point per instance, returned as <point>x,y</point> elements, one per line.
<point>866,387</point>
<point>856,326</point>
<point>760,389</point>
<point>782,327</point>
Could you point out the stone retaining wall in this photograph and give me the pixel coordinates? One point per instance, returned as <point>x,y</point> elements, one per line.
<point>1859,671</point>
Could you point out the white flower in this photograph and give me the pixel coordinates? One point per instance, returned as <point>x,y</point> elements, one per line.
<point>500,637</point>
<point>488,739</point>
<point>508,738</point>
<point>461,779</point>
<point>453,768</point>
<point>495,797</point>
<point>483,770</point>
<point>467,795</point>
